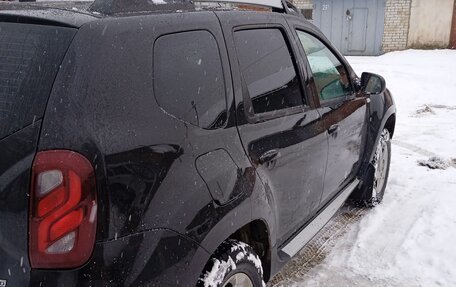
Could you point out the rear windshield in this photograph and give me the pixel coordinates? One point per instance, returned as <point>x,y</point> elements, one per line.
<point>30,56</point>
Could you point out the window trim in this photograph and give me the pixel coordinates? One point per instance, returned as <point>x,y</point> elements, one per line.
<point>225,85</point>
<point>328,102</point>
<point>248,104</point>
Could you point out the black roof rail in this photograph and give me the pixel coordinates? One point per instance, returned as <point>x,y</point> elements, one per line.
<point>109,7</point>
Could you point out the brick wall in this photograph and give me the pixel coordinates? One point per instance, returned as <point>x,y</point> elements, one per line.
<point>397,19</point>
<point>303,4</point>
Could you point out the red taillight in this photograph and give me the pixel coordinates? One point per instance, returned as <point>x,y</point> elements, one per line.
<point>63,210</point>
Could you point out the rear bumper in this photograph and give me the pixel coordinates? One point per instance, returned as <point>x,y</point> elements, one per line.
<point>153,258</point>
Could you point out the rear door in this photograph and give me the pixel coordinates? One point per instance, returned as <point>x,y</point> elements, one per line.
<point>344,112</point>
<point>281,132</point>
<point>30,56</point>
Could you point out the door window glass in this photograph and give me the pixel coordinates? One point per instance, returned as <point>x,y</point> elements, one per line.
<point>267,69</point>
<point>188,78</point>
<point>329,74</point>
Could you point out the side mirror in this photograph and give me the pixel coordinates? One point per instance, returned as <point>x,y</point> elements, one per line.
<point>372,84</point>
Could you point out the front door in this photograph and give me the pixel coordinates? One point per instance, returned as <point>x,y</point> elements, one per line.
<point>355,27</point>
<point>343,113</point>
<point>282,135</point>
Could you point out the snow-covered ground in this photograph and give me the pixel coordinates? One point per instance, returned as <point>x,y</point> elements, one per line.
<point>410,239</point>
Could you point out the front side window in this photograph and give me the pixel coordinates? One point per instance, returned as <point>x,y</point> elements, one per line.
<point>329,74</point>
<point>188,78</point>
<point>267,69</point>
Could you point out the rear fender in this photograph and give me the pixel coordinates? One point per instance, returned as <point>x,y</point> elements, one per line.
<point>258,206</point>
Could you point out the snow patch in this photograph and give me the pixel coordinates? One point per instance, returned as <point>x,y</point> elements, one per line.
<point>221,268</point>
<point>217,274</point>
<point>242,249</point>
<point>434,163</point>
<point>445,107</point>
<point>424,111</point>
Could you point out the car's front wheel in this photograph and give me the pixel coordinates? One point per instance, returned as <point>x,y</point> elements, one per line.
<point>234,264</point>
<point>381,162</point>
<point>372,191</point>
<point>381,165</point>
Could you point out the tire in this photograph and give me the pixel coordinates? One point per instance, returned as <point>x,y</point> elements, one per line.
<point>233,260</point>
<point>381,166</point>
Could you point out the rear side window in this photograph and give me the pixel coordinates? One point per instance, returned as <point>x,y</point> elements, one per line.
<point>188,78</point>
<point>30,56</point>
<point>267,69</point>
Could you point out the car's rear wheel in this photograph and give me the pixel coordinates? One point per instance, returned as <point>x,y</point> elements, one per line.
<point>234,264</point>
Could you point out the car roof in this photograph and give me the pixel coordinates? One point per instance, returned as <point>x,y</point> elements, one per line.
<point>77,13</point>
<point>65,13</point>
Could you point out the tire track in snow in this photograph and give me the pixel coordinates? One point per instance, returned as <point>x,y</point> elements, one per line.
<point>420,151</point>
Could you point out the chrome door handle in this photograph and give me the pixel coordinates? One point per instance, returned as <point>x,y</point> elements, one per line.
<point>268,156</point>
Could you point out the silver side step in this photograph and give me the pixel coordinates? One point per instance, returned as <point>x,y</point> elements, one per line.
<point>319,222</point>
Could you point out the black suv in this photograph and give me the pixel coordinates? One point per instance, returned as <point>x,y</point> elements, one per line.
<point>176,145</point>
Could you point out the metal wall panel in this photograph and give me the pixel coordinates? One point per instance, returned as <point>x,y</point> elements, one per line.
<point>355,27</point>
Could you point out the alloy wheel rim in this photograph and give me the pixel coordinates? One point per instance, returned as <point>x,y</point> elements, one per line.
<point>381,164</point>
<point>239,280</point>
